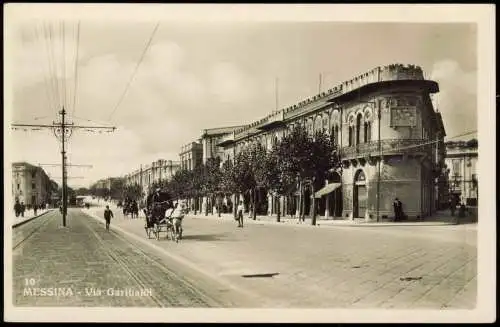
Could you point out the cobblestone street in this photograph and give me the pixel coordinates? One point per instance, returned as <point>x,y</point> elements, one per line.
<point>83,265</point>
<point>330,267</point>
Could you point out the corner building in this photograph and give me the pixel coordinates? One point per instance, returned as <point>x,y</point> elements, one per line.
<point>390,138</point>
<point>31,184</point>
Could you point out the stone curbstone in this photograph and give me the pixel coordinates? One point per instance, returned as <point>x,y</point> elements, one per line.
<point>17,224</point>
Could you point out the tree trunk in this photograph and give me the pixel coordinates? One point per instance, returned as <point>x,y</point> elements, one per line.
<point>313,221</point>
<point>297,204</point>
<point>278,209</point>
<point>302,210</point>
<point>254,202</point>
<point>206,206</point>
<point>211,204</point>
<point>235,204</point>
<point>218,206</point>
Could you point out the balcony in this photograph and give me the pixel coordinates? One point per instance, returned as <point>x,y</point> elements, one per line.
<point>388,147</point>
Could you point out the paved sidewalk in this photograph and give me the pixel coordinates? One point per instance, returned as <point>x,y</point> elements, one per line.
<point>16,221</point>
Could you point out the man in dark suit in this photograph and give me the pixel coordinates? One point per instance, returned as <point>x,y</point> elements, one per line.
<point>397,209</point>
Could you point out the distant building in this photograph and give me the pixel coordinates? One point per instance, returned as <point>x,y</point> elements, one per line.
<point>103,184</point>
<point>31,184</point>
<point>461,161</point>
<point>191,155</point>
<point>211,138</point>
<point>153,173</point>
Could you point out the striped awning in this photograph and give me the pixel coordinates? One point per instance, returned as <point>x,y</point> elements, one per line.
<point>327,189</point>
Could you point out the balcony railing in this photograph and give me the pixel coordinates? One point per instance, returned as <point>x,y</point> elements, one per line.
<point>387,147</point>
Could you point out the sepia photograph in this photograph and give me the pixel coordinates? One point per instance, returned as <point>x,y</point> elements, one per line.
<point>249,163</point>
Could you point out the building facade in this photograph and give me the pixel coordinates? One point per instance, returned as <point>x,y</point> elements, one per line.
<point>388,134</point>
<point>31,184</point>
<point>211,138</point>
<point>156,172</point>
<point>103,184</point>
<point>191,155</point>
<point>461,162</point>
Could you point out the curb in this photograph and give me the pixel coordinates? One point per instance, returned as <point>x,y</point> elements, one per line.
<point>30,219</point>
<point>180,260</point>
<point>327,224</point>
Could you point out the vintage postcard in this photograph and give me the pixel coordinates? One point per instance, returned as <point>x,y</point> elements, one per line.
<point>249,163</point>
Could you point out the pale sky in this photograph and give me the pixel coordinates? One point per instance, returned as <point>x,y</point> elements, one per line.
<point>207,74</point>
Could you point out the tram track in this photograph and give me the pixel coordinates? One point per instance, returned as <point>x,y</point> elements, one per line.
<point>168,288</point>
<point>25,231</point>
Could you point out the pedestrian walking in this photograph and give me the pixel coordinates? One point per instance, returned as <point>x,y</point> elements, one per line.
<point>35,208</point>
<point>241,208</point>
<point>23,208</point>
<point>17,208</point>
<point>453,206</point>
<point>107,216</point>
<point>397,209</point>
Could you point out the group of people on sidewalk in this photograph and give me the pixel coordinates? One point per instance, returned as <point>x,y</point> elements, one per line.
<point>20,208</point>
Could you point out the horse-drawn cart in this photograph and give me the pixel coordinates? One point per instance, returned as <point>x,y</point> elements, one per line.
<point>157,212</point>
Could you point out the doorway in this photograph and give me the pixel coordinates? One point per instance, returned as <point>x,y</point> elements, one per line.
<point>335,199</point>
<point>360,195</point>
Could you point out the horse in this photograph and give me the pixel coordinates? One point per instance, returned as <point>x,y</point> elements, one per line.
<point>176,218</point>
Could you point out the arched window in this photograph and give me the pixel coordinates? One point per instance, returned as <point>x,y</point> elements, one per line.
<point>317,124</point>
<point>337,135</point>
<point>358,128</point>
<point>351,123</point>
<point>309,125</point>
<point>367,135</point>
<point>351,135</point>
<point>368,131</point>
<point>359,177</point>
<point>325,123</point>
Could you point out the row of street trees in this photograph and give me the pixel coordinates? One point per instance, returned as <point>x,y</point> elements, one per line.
<point>297,162</point>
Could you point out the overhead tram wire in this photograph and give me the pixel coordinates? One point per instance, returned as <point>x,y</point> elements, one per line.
<point>49,65</point>
<point>62,129</point>
<point>429,142</point>
<point>51,81</point>
<point>38,39</point>
<point>135,70</point>
<point>63,36</point>
<point>54,66</point>
<point>76,66</point>
<point>89,120</point>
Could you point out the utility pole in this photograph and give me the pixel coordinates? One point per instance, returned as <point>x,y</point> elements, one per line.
<point>63,153</point>
<point>63,131</point>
